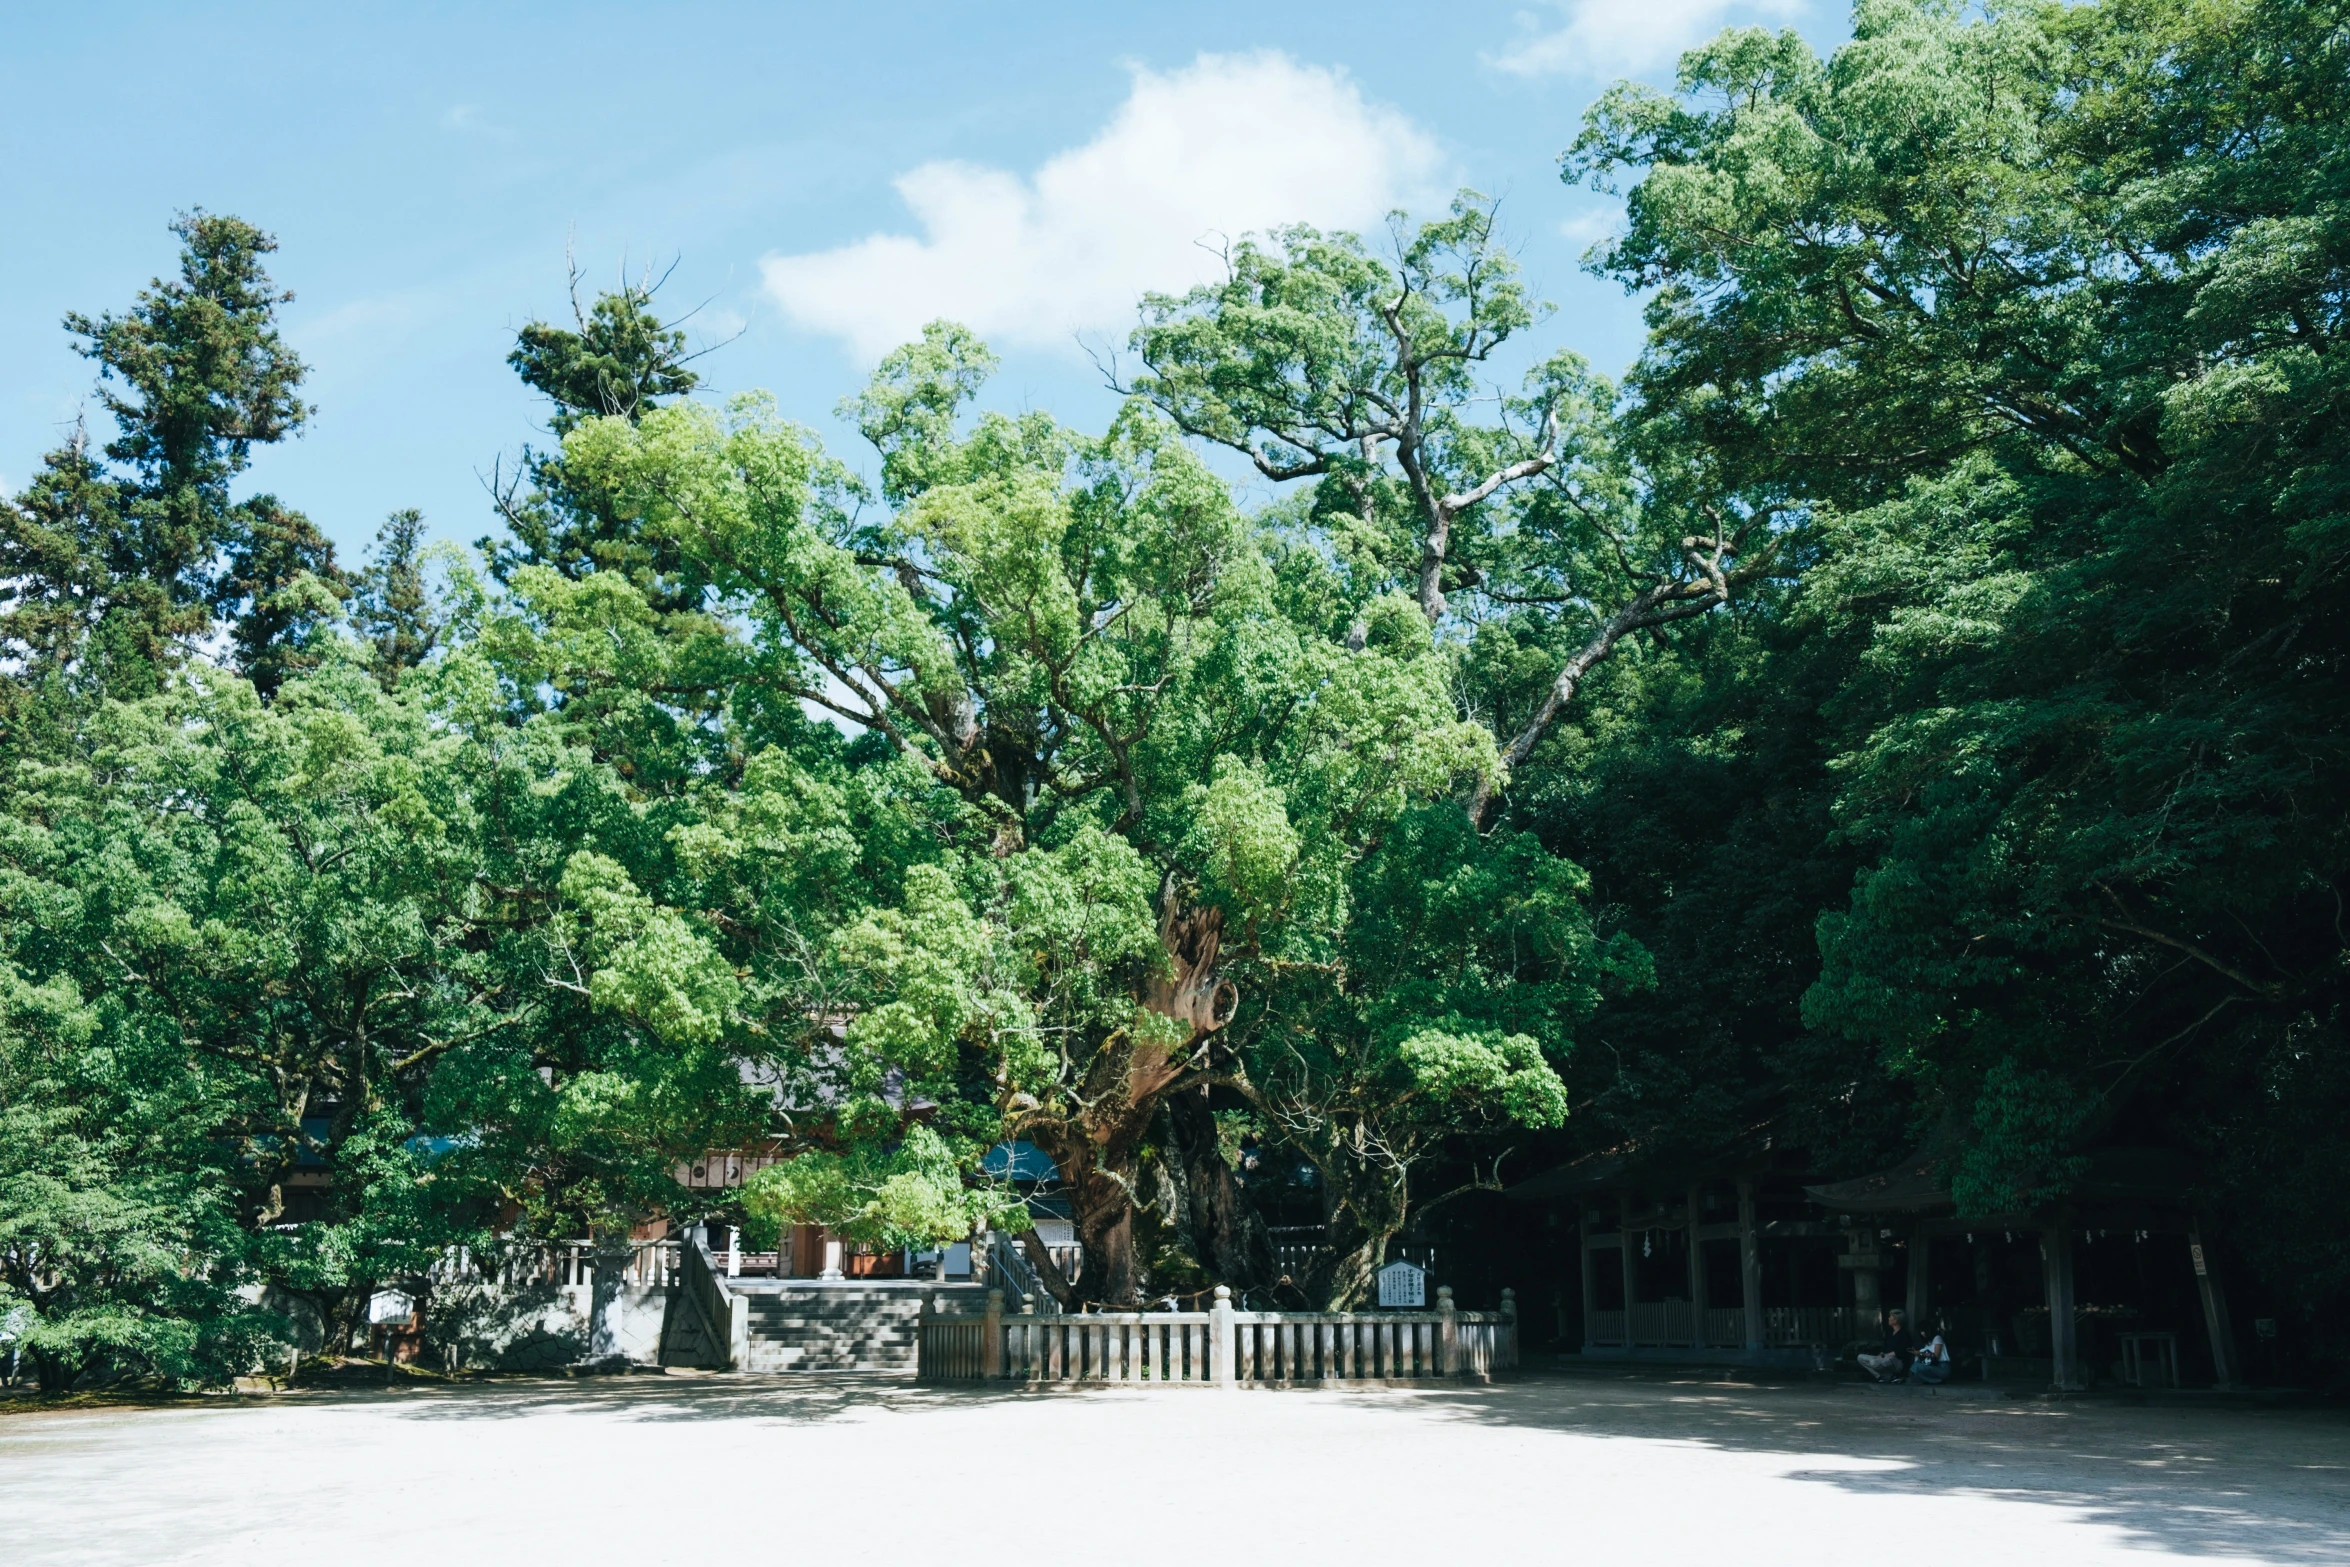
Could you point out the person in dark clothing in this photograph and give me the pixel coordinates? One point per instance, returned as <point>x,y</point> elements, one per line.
<point>1891,1361</point>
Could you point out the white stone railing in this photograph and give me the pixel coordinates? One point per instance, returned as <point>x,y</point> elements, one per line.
<point>554,1262</point>
<point>726,1316</point>
<point>1220,1347</point>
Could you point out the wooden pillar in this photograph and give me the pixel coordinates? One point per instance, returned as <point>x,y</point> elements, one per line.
<point>2215,1307</point>
<point>2056,1250</point>
<point>1750,1264</point>
<point>1624,1234</point>
<point>1697,1334</point>
<point>991,1335</point>
<point>1590,1286</point>
<point>1867,1301</point>
<point>1921,1255</point>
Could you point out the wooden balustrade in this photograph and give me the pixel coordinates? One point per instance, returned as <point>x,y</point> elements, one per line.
<point>1675,1324</point>
<point>554,1262</point>
<point>1219,1347</point>
<point>725,1316</point>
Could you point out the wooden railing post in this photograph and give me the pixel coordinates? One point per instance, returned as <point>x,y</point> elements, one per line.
<point>1697,1292</point>
<point>1631,1274</point>
<point>1750,1265</point>
<point>2215,1304</point>
<point>1221,1323</point>
<point>1448,1333</point>
<point>991,1343</point>
<point>1585,1226</point>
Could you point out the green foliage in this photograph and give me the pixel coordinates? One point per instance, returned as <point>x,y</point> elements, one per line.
<point>2035,311</point>
<point>392,606</point>
<point>915,1194</point>
<point>618,360</point>
<point>1126,709</point>
<point>114,570</point>
<point>1321,361</point>
<point>113,1238</point>
<point>1442,997</point>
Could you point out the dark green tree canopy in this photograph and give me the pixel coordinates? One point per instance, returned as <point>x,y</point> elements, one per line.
<point>2040,311</point>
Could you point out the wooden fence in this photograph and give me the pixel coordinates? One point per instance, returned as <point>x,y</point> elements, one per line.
<point>1298,1249</point>
<point>1221,1347</point>
<point>1677,1323</point>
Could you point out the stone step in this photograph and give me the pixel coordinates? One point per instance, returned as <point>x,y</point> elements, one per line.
<point>822,1329</point>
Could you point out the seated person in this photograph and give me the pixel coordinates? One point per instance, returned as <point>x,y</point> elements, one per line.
<point>1931,1362</point>
<point>1892,1358</point>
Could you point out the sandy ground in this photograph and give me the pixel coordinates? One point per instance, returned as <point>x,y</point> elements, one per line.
<point>1584,1469</point>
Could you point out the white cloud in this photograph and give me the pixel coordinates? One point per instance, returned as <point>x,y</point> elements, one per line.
<point>1592,224</point>
<point>1605,37</point>
<point>1229,144</point>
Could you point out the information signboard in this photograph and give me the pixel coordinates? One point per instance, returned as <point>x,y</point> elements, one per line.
<point>1401,1284</point>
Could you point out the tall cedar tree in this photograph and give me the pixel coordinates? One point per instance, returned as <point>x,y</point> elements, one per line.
<point>118,566</point>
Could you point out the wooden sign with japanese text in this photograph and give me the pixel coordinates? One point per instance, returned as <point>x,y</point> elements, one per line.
<point>1401,1284</point>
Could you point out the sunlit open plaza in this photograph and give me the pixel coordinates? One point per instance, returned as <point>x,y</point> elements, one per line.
<point>1550,1468</point>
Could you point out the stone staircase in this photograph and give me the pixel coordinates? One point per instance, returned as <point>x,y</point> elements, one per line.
<point>810,1325</point>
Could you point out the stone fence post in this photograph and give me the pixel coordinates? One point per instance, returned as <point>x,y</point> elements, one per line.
<point>1448,1333</point>
<point>991,1341</point>
<point>1220,1325</point>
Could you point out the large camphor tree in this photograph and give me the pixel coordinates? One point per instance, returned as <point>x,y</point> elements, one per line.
<point>1144,738</point>
<point>1191,799</point>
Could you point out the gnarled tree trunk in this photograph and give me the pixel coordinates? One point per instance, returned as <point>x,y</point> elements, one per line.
<point>1225,1232</point>
<point>1099,1147</point>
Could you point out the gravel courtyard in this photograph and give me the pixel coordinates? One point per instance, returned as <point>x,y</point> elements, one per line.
<point>1582,1468</point>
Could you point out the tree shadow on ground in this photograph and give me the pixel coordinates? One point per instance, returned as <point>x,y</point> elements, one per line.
<point>2264,1484</point>
<point>805,1398</point>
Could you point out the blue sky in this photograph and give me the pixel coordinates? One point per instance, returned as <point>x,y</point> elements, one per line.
<point>822,177</point>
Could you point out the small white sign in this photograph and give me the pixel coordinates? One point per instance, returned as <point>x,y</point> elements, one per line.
<point>389,1306</point>
<point>1401,1284</point>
